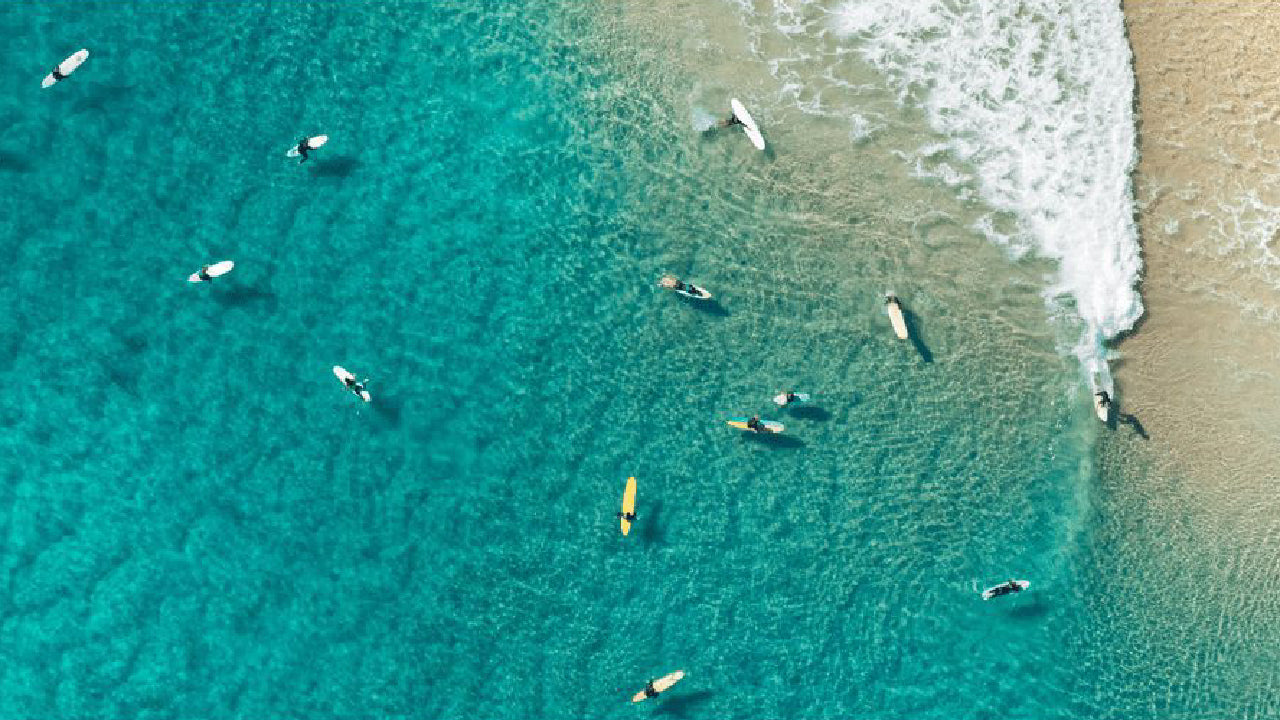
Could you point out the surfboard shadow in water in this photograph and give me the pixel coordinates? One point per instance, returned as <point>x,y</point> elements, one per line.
<point>811,412</point>
<point>650,523</point>
<point>243,296</point>
<point>710,307</point>
<point>774,441</point>
<point>680,705</point>
<point>101,96</point>
<point>387,405</point>
<point>340,166</point>
<point>14,163</point>
<point>913,332</point>
<point>1030,611</point>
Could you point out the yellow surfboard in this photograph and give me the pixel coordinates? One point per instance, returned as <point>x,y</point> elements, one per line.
<point>628,504</point>
<point>658,686</point>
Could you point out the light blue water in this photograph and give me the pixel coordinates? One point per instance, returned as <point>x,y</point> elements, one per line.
<point>201,523</point>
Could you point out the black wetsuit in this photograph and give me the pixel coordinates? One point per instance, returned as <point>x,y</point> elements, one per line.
<point>649,690</point>
<point>1007,588</point>
<point>204,274</point>
<point>302,150</point>
<point>755,424</point>
<point>58,75</point>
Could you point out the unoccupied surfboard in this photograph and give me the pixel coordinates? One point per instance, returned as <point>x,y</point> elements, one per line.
<point>65,68</point>
<point>660,685</point>
<point>312,144</point>
<point>999,590</point>
<point>628,504</point>
<point>213,271</point>
<point>895,316</point>
<point>344,376</point>
<point>772,426</point>
<point>748,123</point>
<point>781,399</point>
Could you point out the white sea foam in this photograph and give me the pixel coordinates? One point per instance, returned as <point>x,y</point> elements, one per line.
<point>1035,98</point>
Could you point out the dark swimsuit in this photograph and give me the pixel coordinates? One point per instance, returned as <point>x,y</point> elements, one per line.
<point>57,75</point>
<point>649,691</point>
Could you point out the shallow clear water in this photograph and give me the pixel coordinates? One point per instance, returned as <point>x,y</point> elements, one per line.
<point>201,523</point>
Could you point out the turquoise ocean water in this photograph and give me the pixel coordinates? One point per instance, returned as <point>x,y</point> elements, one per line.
<point>200,522</point>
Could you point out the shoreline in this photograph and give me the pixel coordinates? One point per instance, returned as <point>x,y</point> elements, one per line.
<point>1197,369</point>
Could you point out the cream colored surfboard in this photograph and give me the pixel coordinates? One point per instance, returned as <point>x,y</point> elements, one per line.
<point>628,504</point>
<point>660,685</point>
<point>1102,409</point>
<point>896,317</point>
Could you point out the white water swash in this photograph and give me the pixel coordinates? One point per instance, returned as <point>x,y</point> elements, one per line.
<point>1033,103</point>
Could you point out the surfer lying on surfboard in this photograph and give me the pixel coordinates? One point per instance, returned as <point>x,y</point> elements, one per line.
<point>784,399</point>
<point>733,120</point>
<point>355,387</point>
<point>629,517</point>
<point>307,144</point>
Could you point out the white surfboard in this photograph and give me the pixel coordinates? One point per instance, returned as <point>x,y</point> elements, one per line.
<point>344,376</point>
<point>312,144</point>
<point>999,590</point>
<point>896,317</point>
<point>65,68</point>
<point>748,123</point>
<point>1102,409</point>
<point>781,399</point>
<point>660,686</point>
<point>689,290</point>
<point>212,271</point>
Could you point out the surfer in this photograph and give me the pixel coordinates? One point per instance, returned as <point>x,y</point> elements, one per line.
<point>755,424</point>
<point>733,120</point>
<point>302,149</point>
<point>204,274</point>
<point>1010,587</point>
<point>629,517</point>
<point>789,398</point>
<point>353,386</point>
<point>1104,400</point>
<point>57,75</point>
<point>650,690</point>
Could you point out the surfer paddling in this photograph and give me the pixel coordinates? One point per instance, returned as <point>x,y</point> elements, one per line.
<point>303,148</point>
<point>353,386</point>
<point>306,145</point>
<point>629,516</point>
<point>730,122</point>
<point>653,688</point>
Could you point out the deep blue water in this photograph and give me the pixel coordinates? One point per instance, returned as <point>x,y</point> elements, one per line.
<point>201,523</point>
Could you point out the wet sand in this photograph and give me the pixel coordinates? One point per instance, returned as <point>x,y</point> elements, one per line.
<point>1200,371</point>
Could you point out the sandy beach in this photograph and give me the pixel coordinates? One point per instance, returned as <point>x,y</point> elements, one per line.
<point>1199,370</point>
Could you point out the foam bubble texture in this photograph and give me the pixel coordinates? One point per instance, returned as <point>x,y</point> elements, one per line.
<point>1034,98</point>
